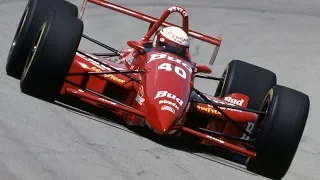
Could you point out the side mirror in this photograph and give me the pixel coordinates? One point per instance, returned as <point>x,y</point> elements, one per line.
<point>136,45</point>
<point>203,69</point>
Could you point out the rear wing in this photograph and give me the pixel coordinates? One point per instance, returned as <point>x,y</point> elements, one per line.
<point>211,40</point>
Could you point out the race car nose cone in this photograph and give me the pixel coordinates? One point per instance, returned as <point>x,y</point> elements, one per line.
<point>162,119</point>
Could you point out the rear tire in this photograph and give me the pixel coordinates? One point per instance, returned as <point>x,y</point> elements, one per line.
<point>34,15</point>
<point>248,79</point>
<point>279,131</point>
<point>49,62</point>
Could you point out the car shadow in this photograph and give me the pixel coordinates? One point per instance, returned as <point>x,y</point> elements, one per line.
<point>211,153</point>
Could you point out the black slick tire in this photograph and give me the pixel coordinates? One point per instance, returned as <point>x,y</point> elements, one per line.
<point>34,14</point>
<point>278,133</point>
<point>49,62</point>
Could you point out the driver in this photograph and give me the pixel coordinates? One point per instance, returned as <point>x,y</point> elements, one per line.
<point>172,39</point>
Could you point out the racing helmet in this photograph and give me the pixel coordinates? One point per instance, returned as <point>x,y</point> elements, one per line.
<point>172,39</point>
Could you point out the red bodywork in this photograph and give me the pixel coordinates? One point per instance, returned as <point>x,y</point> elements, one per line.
<point>159,95</point>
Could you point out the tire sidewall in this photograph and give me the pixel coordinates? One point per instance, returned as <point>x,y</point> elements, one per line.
<point>14,63</point>
<point>28,71</point>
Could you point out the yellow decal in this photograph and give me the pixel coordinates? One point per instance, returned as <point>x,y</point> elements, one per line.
<point>208,109</point>
<point>110,76</point>
<point>113,77</point>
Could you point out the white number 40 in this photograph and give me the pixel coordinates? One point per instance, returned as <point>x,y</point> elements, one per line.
<point>177,69</point>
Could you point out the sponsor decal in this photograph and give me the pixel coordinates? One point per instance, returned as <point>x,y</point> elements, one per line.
<point>220,141</point>
<point>100,67</point>
<point>167,108</point>
<point>208,109</point>
<point>234,101</point>
<point>169,103</point>
<point>223,102</point>
<point>130,59</point>
<point>169,95</point>
<point>109,76</point>
<point>178,70</point>
<point>178,9</point>
<point>139,99</point>
<point>115,78</point>
<point>249,129</point>
<point>165,56</point>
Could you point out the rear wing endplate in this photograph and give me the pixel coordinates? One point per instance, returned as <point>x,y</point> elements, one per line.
<point>152,20</point>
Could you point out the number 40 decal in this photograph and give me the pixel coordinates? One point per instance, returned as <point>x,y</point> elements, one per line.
<point>177,69</point>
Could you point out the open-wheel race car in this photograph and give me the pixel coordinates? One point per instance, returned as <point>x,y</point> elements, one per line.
<point>152,84</point>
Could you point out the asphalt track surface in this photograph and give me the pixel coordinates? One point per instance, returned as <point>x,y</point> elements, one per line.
<point>39,140</point>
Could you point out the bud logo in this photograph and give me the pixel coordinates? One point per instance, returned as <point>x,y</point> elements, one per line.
<point>168,95</point>
<point>223,102</point>
<point>234,101</point>
<point>178,9</point>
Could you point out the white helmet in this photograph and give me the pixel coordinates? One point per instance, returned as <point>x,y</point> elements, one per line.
<point>172,39</point>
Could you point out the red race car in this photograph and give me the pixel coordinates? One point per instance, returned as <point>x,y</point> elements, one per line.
<point>152,84</point>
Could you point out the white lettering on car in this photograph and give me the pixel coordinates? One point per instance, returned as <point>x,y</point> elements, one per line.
<point>168,95</point>
<point>234,101</point>
<point>223,102</point>
<point>178,9</point>
<point>157,56</point>
<point>169,103</point>
<point>168,108</point>
<point>165,56</point>
<point>178,70</point>
<point>249,129</point>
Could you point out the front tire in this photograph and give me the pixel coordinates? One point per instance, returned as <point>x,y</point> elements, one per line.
<point>50,60</point>
<point>278,133</point>
<point>34,15</point>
